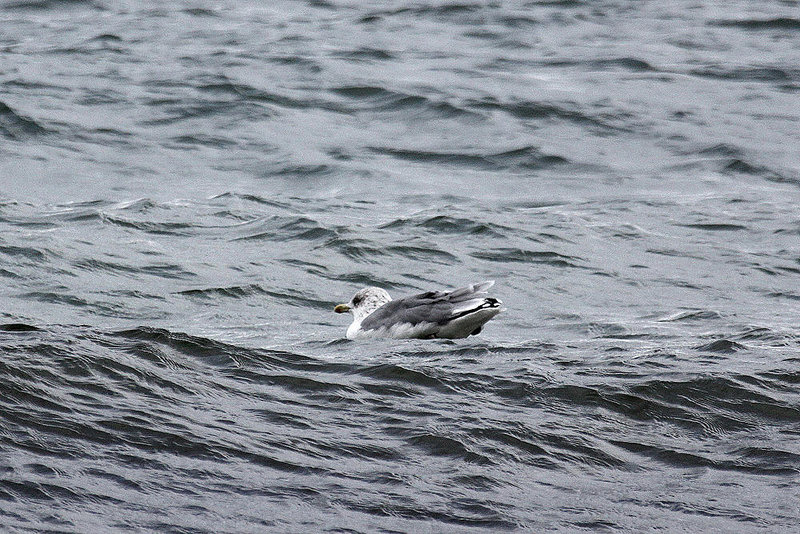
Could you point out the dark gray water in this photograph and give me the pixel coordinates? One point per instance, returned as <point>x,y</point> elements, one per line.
<point>188,188</point>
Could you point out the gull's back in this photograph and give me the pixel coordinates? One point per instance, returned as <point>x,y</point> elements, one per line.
<point>444,314</point>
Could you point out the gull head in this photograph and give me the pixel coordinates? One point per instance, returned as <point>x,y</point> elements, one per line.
<point>364,302</point>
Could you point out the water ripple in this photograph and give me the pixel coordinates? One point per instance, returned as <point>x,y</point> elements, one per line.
<point>186,192</point>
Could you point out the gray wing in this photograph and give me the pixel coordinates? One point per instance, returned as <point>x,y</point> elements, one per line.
<point>435,307</point>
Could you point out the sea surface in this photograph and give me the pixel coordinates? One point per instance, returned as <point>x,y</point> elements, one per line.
<point>188,188</point>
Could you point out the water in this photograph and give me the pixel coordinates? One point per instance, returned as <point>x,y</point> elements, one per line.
<point>188,188</point>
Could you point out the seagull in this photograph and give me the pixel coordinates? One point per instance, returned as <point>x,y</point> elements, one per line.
<point>434,314</point>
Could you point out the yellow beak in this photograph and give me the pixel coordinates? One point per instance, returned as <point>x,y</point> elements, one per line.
<point>342,308</point>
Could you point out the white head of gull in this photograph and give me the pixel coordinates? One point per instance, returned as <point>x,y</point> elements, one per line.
<point>434,314</point>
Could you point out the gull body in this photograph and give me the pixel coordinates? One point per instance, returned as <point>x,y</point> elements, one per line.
<point>434,314</point>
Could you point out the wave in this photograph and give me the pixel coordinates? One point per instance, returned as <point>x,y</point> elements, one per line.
<point>446,224</point>
<point>365,54</point>
<point>540,110</point>
<point>16,126</point>
<point>733,160</point>
<point>293,298</point>
<point>152,402</point>
<point>287,228</point>
<point>627,63</point>
<point>18,327</point>
<point>525,158</point>
<point>46,5</point>
<point>382,100</point>
<point>777,23</point>
<point>749,74</point>
<point>517,255</point>
<point>171,333</point>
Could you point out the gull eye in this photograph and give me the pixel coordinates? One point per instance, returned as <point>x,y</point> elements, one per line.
<point>357,300</point>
